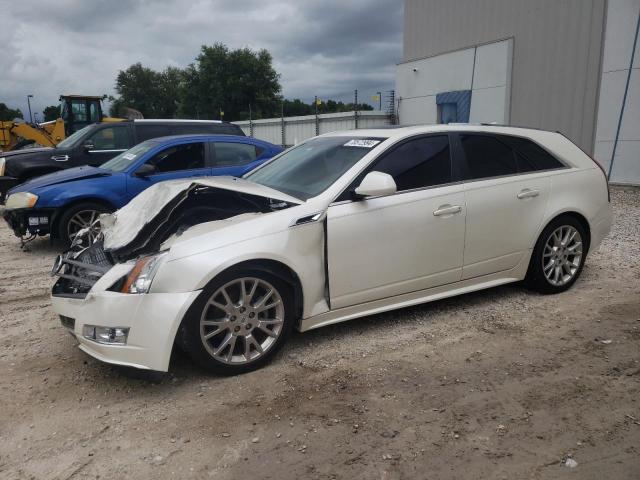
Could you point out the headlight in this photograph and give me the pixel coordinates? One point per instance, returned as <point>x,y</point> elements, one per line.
<point>2,161</point>
<point>140,278</point>
<point>21,200</point>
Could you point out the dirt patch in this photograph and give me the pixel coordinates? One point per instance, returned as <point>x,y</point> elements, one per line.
<point>497,384</point>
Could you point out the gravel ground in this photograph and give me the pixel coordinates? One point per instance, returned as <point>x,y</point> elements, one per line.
<point>498,384</point>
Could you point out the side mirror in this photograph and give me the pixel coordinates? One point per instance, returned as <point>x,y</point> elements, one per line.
<point>145,170</point>
<point>375,184</point>
<point>88,145</point>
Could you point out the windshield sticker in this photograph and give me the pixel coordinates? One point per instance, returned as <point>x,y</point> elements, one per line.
<point>358,142</point>
<point>129,156</point>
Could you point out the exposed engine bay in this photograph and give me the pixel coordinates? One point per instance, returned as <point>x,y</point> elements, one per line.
<point>144,225</point>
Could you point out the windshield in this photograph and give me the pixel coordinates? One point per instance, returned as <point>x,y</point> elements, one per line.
<point>72,139</point>
<point>310,168</point>
<point>123,161</point>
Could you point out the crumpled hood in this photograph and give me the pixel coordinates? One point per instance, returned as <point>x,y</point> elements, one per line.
<point>62,176</point>
<point>122,227</point>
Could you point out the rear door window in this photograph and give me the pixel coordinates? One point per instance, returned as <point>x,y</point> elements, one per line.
<point>486,157</point>
<point>235,154</point>
<point>146,132</point>
<point>188,156</point>
<point>208,128</point>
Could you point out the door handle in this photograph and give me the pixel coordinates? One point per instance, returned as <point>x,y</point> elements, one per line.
<point>60,158</point>
<point>447,210</point>
<point>528,193</point>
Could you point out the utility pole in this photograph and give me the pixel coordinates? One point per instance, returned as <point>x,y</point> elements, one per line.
<point>29,103</point>
<point>315,103</point>
<point>380,100</point>
<point>250,122</point>
<point>282,125</point>
<point>355,107</point>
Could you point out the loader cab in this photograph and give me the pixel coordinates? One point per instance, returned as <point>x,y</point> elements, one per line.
<point>78,111</point>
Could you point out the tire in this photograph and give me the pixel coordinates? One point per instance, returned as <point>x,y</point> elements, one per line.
<point>68,221</point>
<point>236,330</point>
<point>558,256</point>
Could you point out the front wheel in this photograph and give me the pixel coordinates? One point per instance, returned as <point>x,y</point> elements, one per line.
<point>558,257</point>
<point>239,322</point>
<point>79,217</point>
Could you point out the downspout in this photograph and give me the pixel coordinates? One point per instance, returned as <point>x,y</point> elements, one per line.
<point>624,98</point>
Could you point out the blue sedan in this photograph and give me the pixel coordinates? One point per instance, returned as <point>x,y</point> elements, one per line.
<point>62,203</point>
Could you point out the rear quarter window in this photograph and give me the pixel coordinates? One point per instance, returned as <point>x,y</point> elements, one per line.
<point>146,132</point>
<point>530,156</point>
<point>208,128</point>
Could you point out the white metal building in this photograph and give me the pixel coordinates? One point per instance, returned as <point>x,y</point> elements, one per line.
<point>563,65</point>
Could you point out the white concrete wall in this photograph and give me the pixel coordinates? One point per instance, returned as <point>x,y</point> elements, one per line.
<point>297,129</point>
<point>622,17</point>
<point>488,76</point>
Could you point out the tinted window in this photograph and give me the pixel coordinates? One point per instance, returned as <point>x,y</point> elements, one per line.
<point>179,157</point>
<point>486,157</point>
<point>145,132</point>
<point>530,156</point>
<point>210,128</point>
<point>419,163</point>
<point>235,153</point>
<point>110,138</point>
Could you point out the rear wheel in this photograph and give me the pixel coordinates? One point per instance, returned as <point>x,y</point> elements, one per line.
<point>239,322</point>
<point>79,217</point>
<point>558,257</point>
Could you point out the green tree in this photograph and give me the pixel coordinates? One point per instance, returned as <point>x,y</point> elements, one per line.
<point>52,112</point>
<point>9,114</point>
<point>223,80</point>
<point>155,94</point>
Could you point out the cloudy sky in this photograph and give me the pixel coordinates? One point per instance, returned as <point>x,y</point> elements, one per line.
<point>323,47</point>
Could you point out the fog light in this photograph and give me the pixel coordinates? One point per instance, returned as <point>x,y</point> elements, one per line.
<point>105,335</point>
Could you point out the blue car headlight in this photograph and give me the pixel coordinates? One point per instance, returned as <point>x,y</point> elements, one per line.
<point>20,200</point>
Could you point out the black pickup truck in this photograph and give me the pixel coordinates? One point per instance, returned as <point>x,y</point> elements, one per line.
<point>95,144</point>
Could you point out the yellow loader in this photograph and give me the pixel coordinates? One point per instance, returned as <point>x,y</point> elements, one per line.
<point>76,112</point>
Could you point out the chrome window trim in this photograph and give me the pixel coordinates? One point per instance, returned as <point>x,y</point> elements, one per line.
<point>119,150</point>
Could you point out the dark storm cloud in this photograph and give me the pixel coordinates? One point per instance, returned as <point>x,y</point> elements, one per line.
<point>320,47</point>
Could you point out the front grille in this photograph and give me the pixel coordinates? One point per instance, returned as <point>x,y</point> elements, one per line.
<point>79,271</point>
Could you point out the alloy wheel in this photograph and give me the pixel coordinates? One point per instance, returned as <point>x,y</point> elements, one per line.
<point>562,255</point>
<point>242,320</point>
<point>81,220</point>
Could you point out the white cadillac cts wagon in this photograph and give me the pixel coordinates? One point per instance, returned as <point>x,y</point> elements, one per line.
<point>341,226</point>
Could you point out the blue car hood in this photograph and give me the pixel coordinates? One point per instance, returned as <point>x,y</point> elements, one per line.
<point>63,176</point>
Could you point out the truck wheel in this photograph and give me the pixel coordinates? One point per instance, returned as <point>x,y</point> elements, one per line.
<point>239,322</point>
<point>77,217</point>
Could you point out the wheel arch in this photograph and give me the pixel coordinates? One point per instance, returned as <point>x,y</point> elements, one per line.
<point>274,267</point>
<point>59,212</point>
<point>279,269</point>
<point>574,213</point>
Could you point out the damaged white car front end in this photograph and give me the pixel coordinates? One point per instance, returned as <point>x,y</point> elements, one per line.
<point>124,296</point>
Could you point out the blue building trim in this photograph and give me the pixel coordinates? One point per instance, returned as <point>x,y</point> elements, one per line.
<point>462,100</point>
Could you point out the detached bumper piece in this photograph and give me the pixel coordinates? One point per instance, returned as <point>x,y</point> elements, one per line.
<point>79,271</point>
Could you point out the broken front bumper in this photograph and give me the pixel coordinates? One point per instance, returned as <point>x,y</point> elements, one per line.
<point>153,320</point>
<point>29,220</point>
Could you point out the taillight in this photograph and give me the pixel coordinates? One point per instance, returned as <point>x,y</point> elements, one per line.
<point>606,179</point>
